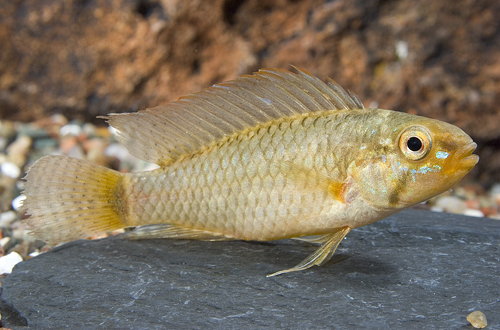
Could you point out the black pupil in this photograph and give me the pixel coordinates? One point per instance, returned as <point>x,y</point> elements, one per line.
<point>414,144</point>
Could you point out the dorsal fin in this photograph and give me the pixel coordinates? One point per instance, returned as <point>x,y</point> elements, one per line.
<point>161,135</point>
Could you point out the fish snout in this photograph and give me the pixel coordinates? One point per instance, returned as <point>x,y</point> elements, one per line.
<point>464,156</point>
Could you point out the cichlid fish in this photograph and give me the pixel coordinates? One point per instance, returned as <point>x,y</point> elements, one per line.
<point>267,156</point>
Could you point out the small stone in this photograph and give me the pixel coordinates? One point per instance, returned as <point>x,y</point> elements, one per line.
<point>436,209</point>
<point>9,261</point>
<point>4,241</point>
<point>70,129</point>
<point>121,153</point>
<point>10,169</point>
<point>17,202</point>
<point>473,203</point>
<point>17,150</point>
<point>401,49</point>
<point>34,254</point>
<point>477,319</point>
<point>94,148</point>
<point>59,119</point>
<point>451,204</point>
<point>473,213</point>
<point>89,129</point>
<point>7,128</point>
<point>6,218</point>
<point>489,211</point>
<point>76,152</point>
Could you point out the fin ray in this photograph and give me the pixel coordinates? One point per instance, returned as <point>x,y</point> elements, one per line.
<point>163,134</point>
<point>321,255</point>
<point>160,231</point>
<point>76,200</point>
<point>316,239</point>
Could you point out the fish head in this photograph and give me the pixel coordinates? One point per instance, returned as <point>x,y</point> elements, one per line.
<point>420,158</point>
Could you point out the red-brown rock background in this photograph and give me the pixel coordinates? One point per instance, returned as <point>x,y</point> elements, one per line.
<point>86,58</point>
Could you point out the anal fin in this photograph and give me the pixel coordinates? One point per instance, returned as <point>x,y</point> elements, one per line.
<point>321,255</point>
<point>159,231</point>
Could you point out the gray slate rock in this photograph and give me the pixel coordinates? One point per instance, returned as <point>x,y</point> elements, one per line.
<point>413,270</point>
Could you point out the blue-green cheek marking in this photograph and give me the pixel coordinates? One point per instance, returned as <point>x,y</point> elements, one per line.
<point>442,155</point>
<point>424,170</point>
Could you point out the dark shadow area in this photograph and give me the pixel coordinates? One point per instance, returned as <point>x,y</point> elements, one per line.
<point>230,9</point>
<point>11,316</point>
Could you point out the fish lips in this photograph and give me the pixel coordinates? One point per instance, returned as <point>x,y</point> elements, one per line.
<point>464,156</point>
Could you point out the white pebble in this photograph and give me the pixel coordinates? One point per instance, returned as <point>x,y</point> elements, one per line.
<point>76,152</point>
<point>17,202</point>
<point>10,169</point>
<point>4,241</point>
<point>34,254</point>
<point>6,218</point>
<point>495,189</point>
<point>70,129</point>
<point>451,204</point>
<point>119,151</point>
<point>89,129</point>
<point>473,213</point>
<point>59,119</point>
<point>402,49</point>
<point>9,261</point>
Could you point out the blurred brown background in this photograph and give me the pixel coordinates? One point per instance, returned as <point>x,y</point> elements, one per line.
<point>85,58</point>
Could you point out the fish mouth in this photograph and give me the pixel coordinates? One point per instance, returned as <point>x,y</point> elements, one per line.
<point>465,157</point>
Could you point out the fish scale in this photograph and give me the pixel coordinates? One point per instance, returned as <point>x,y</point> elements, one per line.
<point>229,210</point>
<point>266,156</point>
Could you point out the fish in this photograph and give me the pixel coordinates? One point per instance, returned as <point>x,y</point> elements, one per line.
<point>268,156</point>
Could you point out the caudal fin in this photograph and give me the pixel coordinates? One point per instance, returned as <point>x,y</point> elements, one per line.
<point>69,198</point>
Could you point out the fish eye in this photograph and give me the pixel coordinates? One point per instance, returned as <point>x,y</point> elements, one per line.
<point>415,142</point>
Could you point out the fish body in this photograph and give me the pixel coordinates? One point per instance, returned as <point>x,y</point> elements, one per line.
<point>264,157</point>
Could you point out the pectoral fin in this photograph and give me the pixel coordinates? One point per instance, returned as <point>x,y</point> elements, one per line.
<point>321,255</point>
<point>317,239</point>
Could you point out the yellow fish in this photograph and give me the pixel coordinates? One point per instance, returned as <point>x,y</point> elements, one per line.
<point>267,156</point>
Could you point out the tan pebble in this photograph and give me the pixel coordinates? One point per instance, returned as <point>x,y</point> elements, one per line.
<point>17,150</point>
<point>94,143</point>
<point>67,143</point>
<point>452,204</point>
<point>477,319</point>
<point>489,211</point>
<point>473,204</point>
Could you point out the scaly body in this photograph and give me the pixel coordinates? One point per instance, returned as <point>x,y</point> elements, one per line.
<point>250,186</point>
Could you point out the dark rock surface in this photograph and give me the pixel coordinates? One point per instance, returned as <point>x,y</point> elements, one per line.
<point>413,270</point>
<point>93,57</point>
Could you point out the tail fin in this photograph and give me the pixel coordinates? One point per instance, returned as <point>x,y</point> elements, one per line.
<point>69,198</point>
